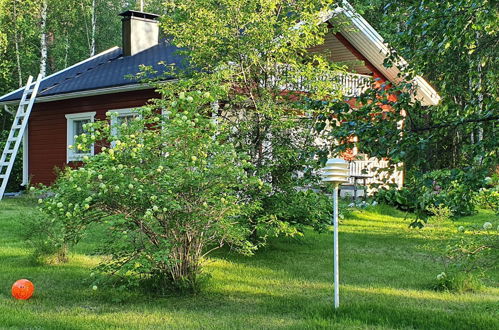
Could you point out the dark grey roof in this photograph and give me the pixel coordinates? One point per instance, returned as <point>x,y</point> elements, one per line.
<point>108,69</point>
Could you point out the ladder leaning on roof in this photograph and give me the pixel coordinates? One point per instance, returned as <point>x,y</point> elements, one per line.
<point>17,132</point>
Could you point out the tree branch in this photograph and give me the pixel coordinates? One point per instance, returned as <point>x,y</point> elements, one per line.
<point>458,123</point>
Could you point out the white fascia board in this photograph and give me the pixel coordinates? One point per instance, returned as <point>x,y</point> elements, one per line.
<point>59,72</point>
<point>371,44</point>
<point>92,92</point>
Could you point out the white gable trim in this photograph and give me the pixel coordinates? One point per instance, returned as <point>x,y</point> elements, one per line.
<point>370,44</point>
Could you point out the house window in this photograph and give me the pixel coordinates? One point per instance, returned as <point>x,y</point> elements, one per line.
<point>75,125</point>
<point>120,117</point>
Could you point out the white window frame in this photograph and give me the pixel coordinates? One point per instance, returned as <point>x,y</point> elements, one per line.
<point>71,156</point>
<point>120,113</point>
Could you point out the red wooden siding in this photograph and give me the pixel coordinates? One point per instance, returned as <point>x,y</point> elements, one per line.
<point>48,128</point>
<point>349,46</point>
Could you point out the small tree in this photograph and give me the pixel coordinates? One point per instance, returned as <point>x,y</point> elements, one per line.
<point>164,187</point>
<point>258,54</point>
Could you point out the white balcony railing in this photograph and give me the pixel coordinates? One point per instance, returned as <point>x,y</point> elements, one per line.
<point>354,85</point>
<point>351,84</point>
<point>377,172</point>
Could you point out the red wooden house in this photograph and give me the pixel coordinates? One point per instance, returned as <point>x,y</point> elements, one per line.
<point>87,90</point>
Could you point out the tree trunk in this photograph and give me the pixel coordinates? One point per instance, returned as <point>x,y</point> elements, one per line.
<point>479,92</point>
<point>94,24</point>
<point>43,40</point>
<point>16,44</point>
<point>66,50</point>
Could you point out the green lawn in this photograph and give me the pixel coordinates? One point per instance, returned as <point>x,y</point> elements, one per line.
<point>385,274</point>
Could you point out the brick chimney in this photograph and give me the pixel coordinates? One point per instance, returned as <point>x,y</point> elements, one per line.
<point>140,31</point>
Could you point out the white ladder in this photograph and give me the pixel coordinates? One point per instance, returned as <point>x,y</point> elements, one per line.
<point>17,132</point>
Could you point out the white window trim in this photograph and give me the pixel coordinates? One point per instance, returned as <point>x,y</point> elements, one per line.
<point>71,156</point>
<point>120,113</point>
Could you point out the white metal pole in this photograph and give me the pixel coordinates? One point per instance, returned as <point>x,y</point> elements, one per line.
<point>335,253</point>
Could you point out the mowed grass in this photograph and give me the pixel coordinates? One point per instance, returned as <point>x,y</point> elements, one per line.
<point>386,275</point>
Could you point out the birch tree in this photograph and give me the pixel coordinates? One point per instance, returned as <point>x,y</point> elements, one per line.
<point>94,26</point>
<point>43,38</point>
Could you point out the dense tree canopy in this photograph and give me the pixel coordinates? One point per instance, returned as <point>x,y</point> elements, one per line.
<point>454,45</point>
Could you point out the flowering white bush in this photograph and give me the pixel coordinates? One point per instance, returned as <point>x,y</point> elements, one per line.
<point>441,276</point>
<point>167,191</point>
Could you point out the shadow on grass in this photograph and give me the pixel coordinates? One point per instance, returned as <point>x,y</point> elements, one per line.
<point>287,285</point>
<point>415,313</point>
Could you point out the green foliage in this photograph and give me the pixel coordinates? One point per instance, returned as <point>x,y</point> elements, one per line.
<point>17,171</point>
<point>46,236</point>
<point>301,208</point>
<point>400,198</point>
<point>440,213</point>
<point>246,52</point>
<point>458,282</point>
<point>451,43</point>
<point>467,256</point>
<point>439,193</point>
<point>488,197</point>
<point>452,188</point>
<point>165,188</point>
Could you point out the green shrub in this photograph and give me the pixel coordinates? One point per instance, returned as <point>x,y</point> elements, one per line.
<point>46,236</point>
<point>467,256</point>
<point>167,189</point>
<point>458,282</point>
<point>439,213</point>
<point>301,208</point>
<point>452,189</point>
<point>17,171</point>
<point>488,197</point>
<point>402,199</point>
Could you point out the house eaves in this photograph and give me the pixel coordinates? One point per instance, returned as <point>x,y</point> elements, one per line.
<point>86,93</point>
<point>371,45</point>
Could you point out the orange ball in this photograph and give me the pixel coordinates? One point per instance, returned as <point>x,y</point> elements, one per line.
<point>23,289</point>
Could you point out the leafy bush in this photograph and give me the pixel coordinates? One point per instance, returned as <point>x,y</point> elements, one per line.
<point>441,213</point>
<point>458,282</point>
<point>46,236</point>
<point>400,198</point>
<point>488,197</point>
<point>167,190</point>
<point>301,208</point>
<point>453,189</point>
<point>282,152</point>
<point>467,256</point>
<point>17,171</point>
